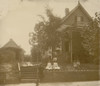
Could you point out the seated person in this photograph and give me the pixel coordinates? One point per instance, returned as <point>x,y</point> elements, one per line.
<point>49,66</point>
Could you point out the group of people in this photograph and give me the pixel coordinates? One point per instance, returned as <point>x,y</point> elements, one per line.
<point>52,65</point>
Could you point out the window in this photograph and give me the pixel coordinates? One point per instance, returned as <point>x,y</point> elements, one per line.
<point>79,18</point>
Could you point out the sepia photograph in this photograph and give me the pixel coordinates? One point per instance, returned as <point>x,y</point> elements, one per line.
<point>49,42</point>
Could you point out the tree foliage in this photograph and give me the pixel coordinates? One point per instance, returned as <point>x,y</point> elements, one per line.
<point>45,32</point>
<point>90,41</point>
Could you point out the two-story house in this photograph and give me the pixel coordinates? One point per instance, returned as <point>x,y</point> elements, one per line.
<point>73,21</point>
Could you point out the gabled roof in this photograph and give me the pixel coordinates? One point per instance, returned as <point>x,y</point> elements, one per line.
<point>11,44</point>
<point>72,11</point>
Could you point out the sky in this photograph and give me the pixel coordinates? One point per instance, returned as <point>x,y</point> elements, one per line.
<point>18,17</point>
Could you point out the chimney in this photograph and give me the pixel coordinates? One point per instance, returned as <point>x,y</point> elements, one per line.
<point>66,11</point>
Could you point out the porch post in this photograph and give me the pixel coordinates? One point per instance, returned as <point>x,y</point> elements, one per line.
<point>71,45</point>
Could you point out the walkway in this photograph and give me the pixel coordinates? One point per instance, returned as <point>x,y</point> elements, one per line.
<point>86,83</point>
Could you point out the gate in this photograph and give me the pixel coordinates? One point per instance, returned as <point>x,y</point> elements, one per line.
<point>29,73</point>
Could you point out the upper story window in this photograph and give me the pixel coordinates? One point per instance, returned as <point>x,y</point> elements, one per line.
<point>79,18</point>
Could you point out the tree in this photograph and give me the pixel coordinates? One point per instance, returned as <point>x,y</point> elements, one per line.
<point>46,34</point>
<point>90,42</point>
<point>27,58</point>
